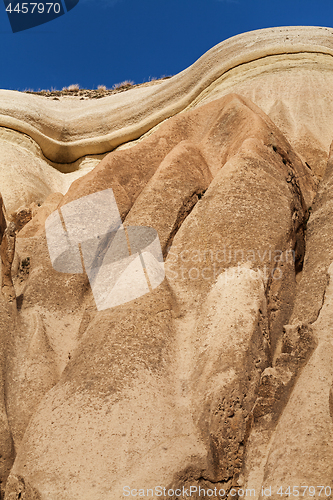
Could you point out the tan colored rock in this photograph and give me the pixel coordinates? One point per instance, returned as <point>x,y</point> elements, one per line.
<point>298,450</point>
<point>91,127</point>
<point>158,376</point>
<point>27,176</point>
<point>285,71</point>
<point>36,226</point>
<point>7,252</point>
<point>6,327</point>
<point>2,219</point>
<point>220,377</point>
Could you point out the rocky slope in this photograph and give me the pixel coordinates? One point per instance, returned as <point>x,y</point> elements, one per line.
<point>220,377</point>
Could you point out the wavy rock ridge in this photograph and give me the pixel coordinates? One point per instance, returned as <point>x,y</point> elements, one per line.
<point>220,378</point>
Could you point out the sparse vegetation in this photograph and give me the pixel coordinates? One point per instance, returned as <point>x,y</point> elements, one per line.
<point>73,87</point>
<point>74,90</point>
<point>126,83</point>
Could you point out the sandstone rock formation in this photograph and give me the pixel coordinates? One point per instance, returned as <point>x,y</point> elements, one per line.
<point>221,377</point>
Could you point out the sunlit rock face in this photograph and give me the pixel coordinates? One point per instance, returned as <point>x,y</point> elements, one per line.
<point>206,202</point>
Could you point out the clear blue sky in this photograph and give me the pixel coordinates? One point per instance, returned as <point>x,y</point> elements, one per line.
<point>103,42</point>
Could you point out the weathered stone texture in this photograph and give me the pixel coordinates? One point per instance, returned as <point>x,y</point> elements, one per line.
<point>221,376</point>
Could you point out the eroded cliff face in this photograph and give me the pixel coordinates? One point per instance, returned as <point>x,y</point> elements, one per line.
<point>221,376</point>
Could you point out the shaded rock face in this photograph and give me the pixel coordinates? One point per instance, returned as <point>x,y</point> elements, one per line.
<point>220,378</point>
